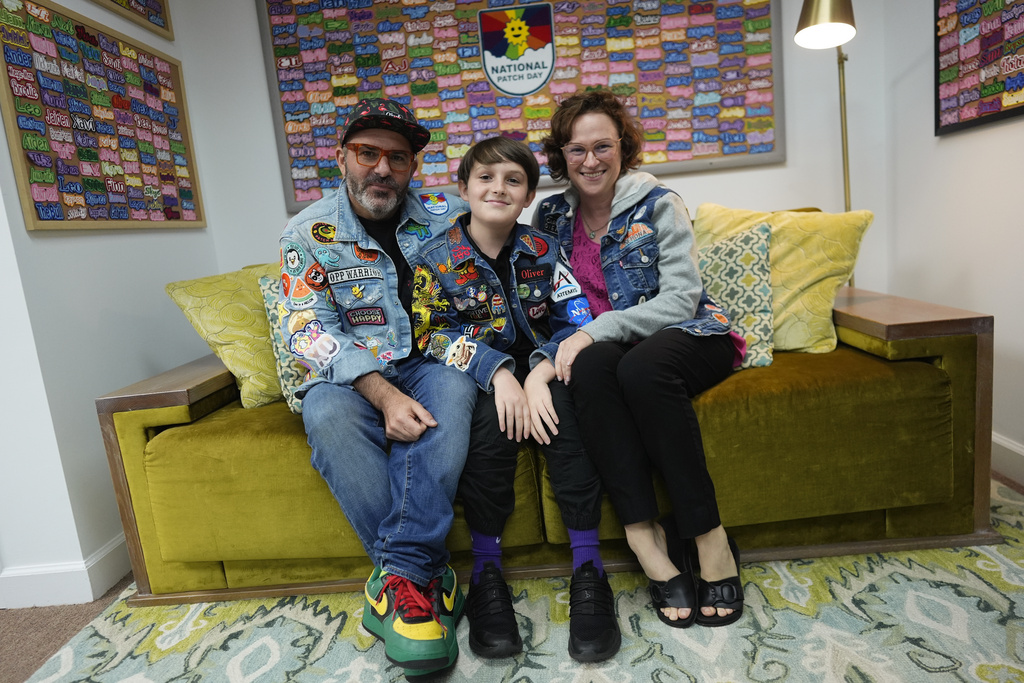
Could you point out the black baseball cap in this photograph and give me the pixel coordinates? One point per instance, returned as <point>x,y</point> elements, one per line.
<point>387,115</point>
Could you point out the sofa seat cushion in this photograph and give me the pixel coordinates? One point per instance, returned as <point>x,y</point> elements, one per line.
<point>847,432</point>
<point>238,485</point>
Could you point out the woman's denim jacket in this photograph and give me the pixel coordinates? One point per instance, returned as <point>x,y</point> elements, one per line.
<point>630,259</point>
<point>464,316</point>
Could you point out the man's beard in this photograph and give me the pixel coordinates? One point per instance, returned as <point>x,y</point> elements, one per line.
<point>377,204</point>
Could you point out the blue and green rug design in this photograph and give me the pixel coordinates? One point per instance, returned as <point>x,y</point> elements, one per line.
<point>931,615</point>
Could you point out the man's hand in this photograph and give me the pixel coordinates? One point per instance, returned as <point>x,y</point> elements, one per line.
<point>405,419</point>
<point>567,352</point>
<point>510,402</point>
<point>538,395</point>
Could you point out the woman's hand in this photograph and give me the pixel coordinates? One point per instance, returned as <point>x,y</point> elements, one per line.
<point>567,352</point>
<point>538,395</point>
<point>511,404</point>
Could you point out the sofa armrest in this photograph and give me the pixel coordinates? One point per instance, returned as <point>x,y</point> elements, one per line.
<point>897,328</point>
<point>129,416</point>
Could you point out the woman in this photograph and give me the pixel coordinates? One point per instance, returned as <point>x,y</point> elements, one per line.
<point>655,342</point>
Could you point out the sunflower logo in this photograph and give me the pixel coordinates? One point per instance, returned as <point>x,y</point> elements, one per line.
<point>517,34</point>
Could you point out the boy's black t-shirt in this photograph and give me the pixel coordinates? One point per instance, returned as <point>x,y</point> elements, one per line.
<point>522,346</point>
<point>384,232</point>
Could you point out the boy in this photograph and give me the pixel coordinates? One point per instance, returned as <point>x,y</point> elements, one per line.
<point>493,299</point>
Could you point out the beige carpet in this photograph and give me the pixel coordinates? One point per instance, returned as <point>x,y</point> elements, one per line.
<point>29,637</point>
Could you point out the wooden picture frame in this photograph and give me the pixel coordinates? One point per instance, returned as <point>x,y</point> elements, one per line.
<point>97,125</point>
<point>703,78</point>
<point>979,62</point>
<point>154,15</point>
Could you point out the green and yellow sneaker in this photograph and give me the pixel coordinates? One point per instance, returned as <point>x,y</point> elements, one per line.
<point>449,603</point>
<point>398,613</point>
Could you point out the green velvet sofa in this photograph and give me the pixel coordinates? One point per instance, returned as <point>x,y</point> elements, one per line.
<point>883,443</point>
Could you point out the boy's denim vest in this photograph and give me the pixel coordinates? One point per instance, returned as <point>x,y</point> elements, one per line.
<point>629,259</point>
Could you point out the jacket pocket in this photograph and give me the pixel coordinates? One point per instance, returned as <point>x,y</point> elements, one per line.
<point>640,268</point>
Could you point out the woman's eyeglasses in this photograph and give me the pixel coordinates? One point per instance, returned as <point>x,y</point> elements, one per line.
<point>603,150</point>
<point>368,155</point>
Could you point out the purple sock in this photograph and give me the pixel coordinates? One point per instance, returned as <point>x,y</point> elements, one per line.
<point>485,549</point>
<point>584,545</point>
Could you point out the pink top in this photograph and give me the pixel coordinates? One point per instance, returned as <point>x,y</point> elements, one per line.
<point>586,268</point>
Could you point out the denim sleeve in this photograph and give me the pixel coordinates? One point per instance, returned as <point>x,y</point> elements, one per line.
<point>314,332</point>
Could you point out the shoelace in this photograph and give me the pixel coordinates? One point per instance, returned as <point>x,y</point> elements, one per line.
<point>410,600</point>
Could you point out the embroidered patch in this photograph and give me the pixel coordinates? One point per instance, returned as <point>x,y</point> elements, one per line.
<point>316,278</point>
<point>336,277</point>
<point>477,314</point>
<point>565,285</point>
<point>325,255</point>
<point>541,271</point>
<point>422,232</point>
<point>538,311</point>
<point>460,353</point>
<point>435,203</point>
<point>454,234</point>
<point>579,311</point>
<point>368,255</point>
<point>324,233</point>
<point>439,346</point>
<point>314,345</point>
<point>535,244</point>
<point>294,258</point>
<point>286,284</point>
<point>302,296</point>
<point>636,231</point>
<point>366,316</point>
<point>497,304</point>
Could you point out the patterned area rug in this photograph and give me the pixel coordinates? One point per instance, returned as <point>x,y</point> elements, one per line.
<point>935,615</point>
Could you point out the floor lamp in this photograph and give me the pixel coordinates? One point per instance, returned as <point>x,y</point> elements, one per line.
<point>824,24</point>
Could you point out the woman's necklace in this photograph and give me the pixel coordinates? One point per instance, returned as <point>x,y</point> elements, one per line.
<point>591,233</point>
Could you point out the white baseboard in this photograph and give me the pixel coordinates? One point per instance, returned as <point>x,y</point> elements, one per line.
<point>66,583</point>
<point>1008,458</point>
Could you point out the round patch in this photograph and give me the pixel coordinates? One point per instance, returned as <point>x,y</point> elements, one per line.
<point>324,233</point>
<point>294,258</point>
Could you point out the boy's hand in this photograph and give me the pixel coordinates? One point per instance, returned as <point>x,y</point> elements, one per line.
<point>510,402</point>
<point>567,352</point>
<point>538,395</point>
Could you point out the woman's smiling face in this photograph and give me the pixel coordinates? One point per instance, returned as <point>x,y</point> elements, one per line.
<point>595,178</point>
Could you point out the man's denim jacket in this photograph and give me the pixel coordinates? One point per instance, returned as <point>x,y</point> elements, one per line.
<point>466,317</point>
<point>340,290</point>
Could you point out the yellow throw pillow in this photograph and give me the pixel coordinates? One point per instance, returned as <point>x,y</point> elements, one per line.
<point>812,255</point>
<point>228,313</point>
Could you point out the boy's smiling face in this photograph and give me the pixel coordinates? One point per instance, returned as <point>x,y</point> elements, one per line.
<point>497,194</point>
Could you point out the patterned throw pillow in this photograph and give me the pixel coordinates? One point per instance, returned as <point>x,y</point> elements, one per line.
<point>812,256</point>
<point>228,313</point>
<point>290,372</point>
<point>737,274</point>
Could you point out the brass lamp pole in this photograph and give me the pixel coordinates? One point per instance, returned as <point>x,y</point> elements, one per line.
<point>824,24</point>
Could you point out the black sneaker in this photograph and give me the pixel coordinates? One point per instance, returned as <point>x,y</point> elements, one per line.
<point>493,631</point>
<point>593,627</point>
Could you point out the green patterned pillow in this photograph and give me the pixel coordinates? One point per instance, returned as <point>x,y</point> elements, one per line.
<point>290,372</point>
<point>228,313</point>
<point>736,272</point>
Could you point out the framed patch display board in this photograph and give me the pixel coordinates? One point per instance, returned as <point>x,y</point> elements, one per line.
<point>153,14</point>
<point>979,62</point>
<point>96,123</point>
<point>701,77</point>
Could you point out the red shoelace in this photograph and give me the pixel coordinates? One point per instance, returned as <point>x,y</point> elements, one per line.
<point>409,599</point>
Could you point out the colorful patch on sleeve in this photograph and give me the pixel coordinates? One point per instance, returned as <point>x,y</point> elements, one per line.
<point>302,296</point>
<point>460,353</point>
<point>435,203</point>
<point>294,258</point>
<point>438,347</point>
<point>324,233</point>
<point>314,345</point>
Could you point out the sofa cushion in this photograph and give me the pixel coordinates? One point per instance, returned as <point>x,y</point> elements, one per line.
<point>208,484</point>
<point>736,273</point>
<point>841,428</point>
<point>228,313</point>
<point>812,256</point>
<point>290,372</point>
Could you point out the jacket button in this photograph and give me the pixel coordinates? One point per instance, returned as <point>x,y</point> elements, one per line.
<point>615,296</point>
<point>644,259</point>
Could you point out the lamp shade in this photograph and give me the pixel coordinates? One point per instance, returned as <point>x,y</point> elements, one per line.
<point>825,23</point>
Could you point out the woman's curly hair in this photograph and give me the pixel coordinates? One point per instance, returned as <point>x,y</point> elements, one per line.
<point>591,101</point>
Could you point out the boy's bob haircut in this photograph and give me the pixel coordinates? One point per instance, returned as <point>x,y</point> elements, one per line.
<point>496,150</point>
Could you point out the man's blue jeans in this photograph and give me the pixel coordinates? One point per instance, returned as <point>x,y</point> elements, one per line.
<point>397,496</point>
